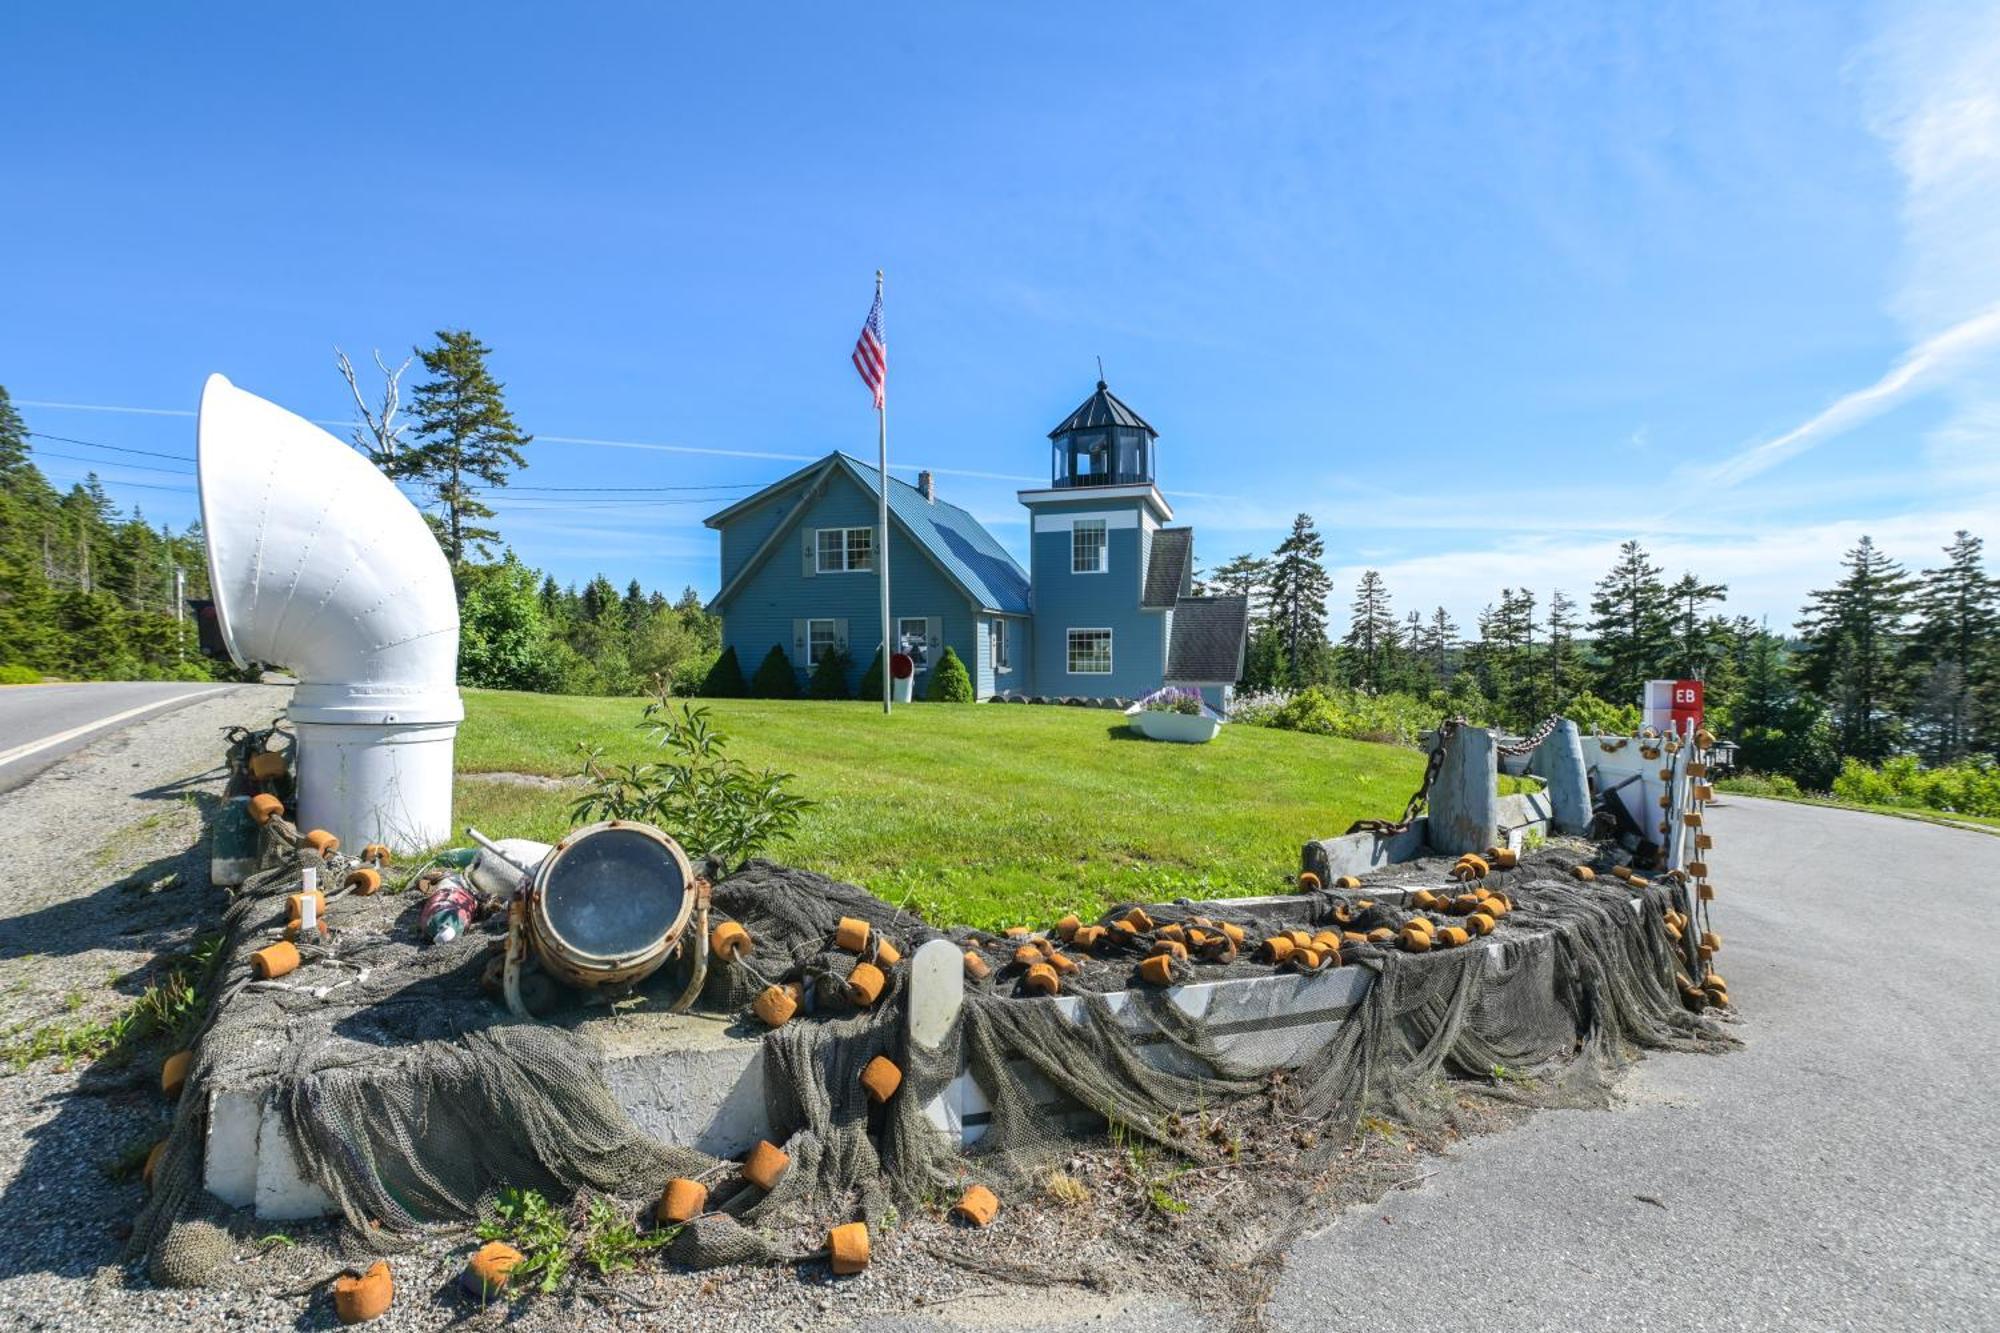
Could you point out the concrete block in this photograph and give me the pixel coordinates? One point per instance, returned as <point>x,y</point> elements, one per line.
<point>1359,853</point>
<point>1520,814</point>
<point>1559,761</point>
<point>235,1119</point>
<point>689,1080</point>
<point>1257,1023</point>
<point>283,1192</point>
<point>1464,813</point>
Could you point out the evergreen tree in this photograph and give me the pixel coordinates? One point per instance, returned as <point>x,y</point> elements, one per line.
<point>775,678</point>
<point>871,679</point>
<point>1371,633</point>
<point>725,678</point>
<point>463,433</point>
<point>1851,657</point>
<point>1264,659</point>
<point>1299,587</point>
<point>1415,673</point>
<point>1698,641</point>
<point>829,678</point>
<point>636,608</point>
<point>1246,576</point>
<point>1631,625</point>
<point>1439,639</point>
<point>1562,650</point>
<point>950,683</point>
<point>13,437</point>
<point>1956,652</point>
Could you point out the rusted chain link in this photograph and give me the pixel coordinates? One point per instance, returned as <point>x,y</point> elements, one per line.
<point>1420,800</point>
<point>1534,741</point>
<point>1386,828</point>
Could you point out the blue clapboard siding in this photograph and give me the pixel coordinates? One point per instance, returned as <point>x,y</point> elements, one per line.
<point>1065,600</point>
<point>1019,678</point>
<point>766,608</point>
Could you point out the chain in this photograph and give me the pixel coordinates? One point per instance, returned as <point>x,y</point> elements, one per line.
<point>1384,828</point>
<point>1534,741</point>
<point>1420,800</point>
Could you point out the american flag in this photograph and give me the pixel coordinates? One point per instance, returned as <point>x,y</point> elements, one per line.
<point>871,354</point>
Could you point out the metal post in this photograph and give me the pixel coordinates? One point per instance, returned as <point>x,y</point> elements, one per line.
<point>882,512</point>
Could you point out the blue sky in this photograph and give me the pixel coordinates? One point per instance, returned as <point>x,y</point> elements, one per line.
<point>1486,289</point>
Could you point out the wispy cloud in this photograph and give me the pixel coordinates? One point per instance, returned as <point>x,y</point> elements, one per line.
<point>1922,367</point>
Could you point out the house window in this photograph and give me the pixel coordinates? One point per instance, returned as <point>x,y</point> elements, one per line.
<point>997,636</point>
<point>822,637</point>
<point>846,550</point>
<point>1087,547</point>
<point>913,639</point>
<point>1090,652</point>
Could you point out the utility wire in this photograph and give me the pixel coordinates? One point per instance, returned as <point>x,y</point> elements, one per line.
<point>114,448</point>
<point>112,462</point>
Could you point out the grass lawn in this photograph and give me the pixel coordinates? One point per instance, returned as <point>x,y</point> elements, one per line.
<point>983,814</point>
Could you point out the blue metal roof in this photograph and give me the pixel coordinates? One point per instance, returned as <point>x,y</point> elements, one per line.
<point>967,552</point>
<point>957,540</point>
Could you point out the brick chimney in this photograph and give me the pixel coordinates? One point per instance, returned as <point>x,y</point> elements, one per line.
<point>928,485</point>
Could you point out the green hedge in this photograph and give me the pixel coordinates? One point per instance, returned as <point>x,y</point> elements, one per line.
<point>1964,789</point>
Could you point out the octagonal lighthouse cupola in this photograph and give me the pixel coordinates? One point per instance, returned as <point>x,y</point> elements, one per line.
<point>1102,443</point>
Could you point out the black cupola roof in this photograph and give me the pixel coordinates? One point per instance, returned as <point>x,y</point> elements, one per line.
<point>1102,408</point>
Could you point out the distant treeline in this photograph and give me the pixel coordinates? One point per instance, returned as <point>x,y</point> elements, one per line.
<point>1881,663</point>
<point>85,591</point>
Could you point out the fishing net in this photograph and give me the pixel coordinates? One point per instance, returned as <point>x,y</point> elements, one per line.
<point>409,1095</point>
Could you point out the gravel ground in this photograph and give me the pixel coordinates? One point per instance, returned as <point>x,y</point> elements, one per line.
<point>90,905</point>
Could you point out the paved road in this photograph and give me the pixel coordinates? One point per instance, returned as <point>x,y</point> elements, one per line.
<point>1842,1172</point>
<point>39,724</point>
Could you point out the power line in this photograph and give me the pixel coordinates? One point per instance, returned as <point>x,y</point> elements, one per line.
<point>114,448</point>
<point>112,462</point>
<point>711,486</point>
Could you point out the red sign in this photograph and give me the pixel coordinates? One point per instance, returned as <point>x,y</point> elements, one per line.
<point>1686,705</point>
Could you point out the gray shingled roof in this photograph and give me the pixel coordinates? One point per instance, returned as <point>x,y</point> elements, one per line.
<point>1102,408</point>
<point>1207,643</point>
<point>1166,572</point>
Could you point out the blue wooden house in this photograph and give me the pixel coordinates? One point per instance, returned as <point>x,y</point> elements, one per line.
<point>1106,609</point>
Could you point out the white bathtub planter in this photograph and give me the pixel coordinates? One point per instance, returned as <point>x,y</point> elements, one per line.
<point>1171,723</point>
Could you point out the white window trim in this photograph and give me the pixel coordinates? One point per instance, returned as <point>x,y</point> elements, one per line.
<point>1110,640</point>
<point>998,651</point>
<point>833,633</point>
<point>925,634</point>
<point>819,551</point>
<point>1103,549</point>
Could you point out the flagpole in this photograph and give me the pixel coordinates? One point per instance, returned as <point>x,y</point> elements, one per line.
<point>882,516</point>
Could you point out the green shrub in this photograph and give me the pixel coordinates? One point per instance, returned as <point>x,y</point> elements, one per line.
<point>11,674</point>
<point>1963,789</point>
<point>1396,719</point>
<point>775,678</point>
<point>949,682</point>
<point>1597,717</point>
<point>1759,784</point>
<point>725,678</point>
<point>713,804</point>
<point>829,678</point>
<point>871,680</point>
